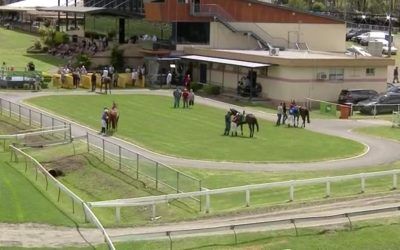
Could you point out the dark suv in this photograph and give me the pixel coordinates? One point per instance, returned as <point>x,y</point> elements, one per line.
<point>385,103</point>
<point>353,96</point>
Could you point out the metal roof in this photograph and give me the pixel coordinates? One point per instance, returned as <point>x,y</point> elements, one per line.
<point>226,61</point>
<point>73,9</point>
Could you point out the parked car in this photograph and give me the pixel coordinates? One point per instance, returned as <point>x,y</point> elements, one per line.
<point>353,96</point>
<point>371,36</point>
<point>355,32</point>
<point>385,103</point>
<point>385,48</point>
<point>393,89</point>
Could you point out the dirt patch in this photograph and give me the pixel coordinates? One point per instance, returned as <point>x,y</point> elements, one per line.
<point>66,165</point>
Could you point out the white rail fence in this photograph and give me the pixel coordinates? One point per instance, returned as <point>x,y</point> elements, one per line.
<point>268,224</point>
<point>207,193</point>
<point>29,117</point>
<point>41,136</point>
<point>49,179</point>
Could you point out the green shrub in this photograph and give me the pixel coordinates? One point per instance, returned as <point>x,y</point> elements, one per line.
<point>60,37</point>
<point>117,58</point>
<point>83,59</point>
<point>196,86</point>
<point>37,45</point>
<point>212,89</point>
<point>44,85</point>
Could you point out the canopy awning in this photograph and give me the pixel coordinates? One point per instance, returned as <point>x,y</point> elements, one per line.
<point>226,61</point>
<point>73,9</point>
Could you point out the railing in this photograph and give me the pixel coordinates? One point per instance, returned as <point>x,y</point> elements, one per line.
<point>371,27</point>
<point>54,135</point>
<point>159,176</point>
<point>287,223</point>
<point>216,11</point>
<point>27,116</point>
<point>206,193</point>
<point>61,189</point>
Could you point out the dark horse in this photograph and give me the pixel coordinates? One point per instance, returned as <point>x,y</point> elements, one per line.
<point>301,111</point>
<point>250,119</point>
<point>106,81</point>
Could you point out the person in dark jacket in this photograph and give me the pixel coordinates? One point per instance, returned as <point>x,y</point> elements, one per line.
<point>227,123</point>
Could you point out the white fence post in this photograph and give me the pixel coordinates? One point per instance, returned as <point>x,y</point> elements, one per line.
<point>153,211</point>
<point>328,189</point>
<point>248,198</point>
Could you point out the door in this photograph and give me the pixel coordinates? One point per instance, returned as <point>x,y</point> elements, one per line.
<point>203,73</point>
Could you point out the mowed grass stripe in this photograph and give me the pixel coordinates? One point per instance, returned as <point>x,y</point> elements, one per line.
<point>196,133</point>
<point>21,202</point>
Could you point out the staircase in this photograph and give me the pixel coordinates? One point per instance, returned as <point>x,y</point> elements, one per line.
<point>265,40</point>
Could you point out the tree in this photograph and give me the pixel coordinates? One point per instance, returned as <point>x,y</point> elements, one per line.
<point>298,4</point>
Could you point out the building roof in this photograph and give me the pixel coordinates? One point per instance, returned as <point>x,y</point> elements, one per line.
<point>27,5</point>
<point>293,58</point>
<point>226,61</point>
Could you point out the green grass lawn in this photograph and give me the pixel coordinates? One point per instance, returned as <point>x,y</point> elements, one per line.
<point>93,180</point>
<point>151,121</point>
<point>22,202</point>
<point>381,131</point>
<point>367,235</point>
<point>13,52</point>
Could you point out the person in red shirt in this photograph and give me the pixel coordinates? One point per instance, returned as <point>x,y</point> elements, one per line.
<point>185,97</point>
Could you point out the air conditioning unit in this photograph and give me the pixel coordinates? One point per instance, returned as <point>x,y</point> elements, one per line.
<point>274,52</point>
<point>322,76</point>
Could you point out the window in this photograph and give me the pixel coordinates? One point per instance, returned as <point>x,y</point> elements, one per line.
<point>370,71</point>
<point>336,74</point>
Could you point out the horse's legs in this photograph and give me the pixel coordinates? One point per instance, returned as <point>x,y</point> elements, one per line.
<point>251,128</point>
<point>241,128</point>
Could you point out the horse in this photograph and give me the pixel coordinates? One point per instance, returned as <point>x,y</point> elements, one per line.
<point>112,118</point>
<point>250,119</point>
<point>106,81</point>
<point>301,111</point>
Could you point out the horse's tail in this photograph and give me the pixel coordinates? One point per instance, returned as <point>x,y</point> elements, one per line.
<point>256,122</point>
<point>308,115</point>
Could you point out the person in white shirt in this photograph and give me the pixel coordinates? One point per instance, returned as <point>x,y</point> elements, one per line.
<point>134,76</point>
<point>169,79</point>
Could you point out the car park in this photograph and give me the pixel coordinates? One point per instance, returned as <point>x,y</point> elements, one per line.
<point>355,32</point>
<point>353,96</point>
<point>385,103</point>
<point>371,36</point>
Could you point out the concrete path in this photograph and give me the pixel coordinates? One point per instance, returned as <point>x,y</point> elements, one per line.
<point>378,150</point>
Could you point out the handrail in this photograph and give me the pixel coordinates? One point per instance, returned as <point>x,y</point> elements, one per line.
<point>291,220</point>
<point>292,183</point>
<point>71,194</point>
<point>216,11</point>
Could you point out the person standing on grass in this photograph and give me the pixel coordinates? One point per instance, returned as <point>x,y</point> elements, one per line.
<point>191,97</point>
<point>227,123</point>
<point>93,80</point>
<point>284,113</point>
<point>104,118</point>
<point>134,76</point>
<point>185,98</point>
<point>279,114</point>
<point>177,97</point>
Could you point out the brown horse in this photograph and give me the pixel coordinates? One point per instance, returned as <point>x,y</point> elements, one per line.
<point>250,119</point>
<point>112,118</point>
<point>304,114</point>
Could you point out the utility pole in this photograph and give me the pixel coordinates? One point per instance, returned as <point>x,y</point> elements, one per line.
<point>390,29</point>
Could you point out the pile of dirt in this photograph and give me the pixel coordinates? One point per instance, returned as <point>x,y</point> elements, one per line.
<point>65,165</point>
